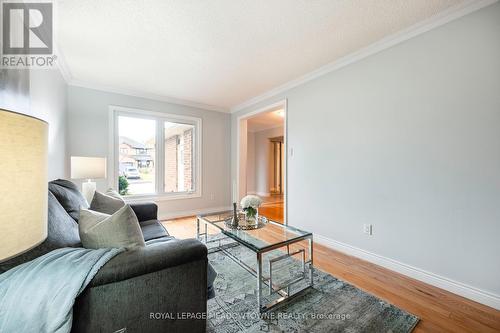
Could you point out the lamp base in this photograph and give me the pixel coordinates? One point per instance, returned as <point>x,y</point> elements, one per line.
<point>88,190</point>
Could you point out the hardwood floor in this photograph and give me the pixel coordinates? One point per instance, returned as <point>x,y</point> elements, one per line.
<point>273,208</point>
<point>438,310</point>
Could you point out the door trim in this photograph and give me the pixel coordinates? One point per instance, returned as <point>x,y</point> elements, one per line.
<point>236,183</point>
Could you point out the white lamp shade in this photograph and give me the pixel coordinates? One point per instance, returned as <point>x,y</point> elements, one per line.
<point>23,190</point>
<point>88,167</point>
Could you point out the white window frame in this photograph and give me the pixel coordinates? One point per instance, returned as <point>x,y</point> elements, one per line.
<point>160,117</point>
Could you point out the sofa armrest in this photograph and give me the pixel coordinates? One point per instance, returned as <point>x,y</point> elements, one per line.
<point>145,211</point>
<point>152,258</point>
<point>164,278</point>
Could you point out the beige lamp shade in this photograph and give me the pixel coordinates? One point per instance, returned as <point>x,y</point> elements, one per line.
<point>23,186</point>
<point>88,167</point>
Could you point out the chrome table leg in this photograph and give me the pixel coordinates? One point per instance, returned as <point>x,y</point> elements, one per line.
<point>206,234</point>
<point>311,268</point>
<point>259,280</point>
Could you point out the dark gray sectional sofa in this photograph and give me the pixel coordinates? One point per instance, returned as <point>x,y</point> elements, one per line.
<point>152,289</point>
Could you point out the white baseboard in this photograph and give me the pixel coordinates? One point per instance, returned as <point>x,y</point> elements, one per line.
<point>455,287</point>
<point>193,212</point>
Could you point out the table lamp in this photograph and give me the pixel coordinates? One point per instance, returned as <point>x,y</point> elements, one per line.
<point>23,190</point>
<point>88,168</point>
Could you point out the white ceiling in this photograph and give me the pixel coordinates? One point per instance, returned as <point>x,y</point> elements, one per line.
<point>266,120</point>
<point>223,52</point>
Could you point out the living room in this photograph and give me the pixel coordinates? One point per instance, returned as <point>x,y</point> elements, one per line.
<point>126,141</point>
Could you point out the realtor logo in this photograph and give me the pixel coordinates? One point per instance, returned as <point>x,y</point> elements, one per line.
<point>27,28</point>
<point>27,34</point>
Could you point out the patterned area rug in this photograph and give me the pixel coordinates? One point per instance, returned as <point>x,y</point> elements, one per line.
<point>330,306</point>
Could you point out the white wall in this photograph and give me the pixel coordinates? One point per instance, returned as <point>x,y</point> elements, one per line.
<point>88,136</point>
<point>48,92</point>
<point>41,93</point>
<point>15,90</point>
<point>408,140</point>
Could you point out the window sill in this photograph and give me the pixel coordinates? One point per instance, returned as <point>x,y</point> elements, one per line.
<point>160,197</point>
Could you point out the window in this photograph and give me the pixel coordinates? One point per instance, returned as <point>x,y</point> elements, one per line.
<point>156,154</point>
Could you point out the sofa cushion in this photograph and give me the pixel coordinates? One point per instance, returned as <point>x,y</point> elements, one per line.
<point>159,240</point>
<point>106,203</point>
<point>68,196</point>
<point>99,230</point>
<point>62,231</point>
<point>153,229</point>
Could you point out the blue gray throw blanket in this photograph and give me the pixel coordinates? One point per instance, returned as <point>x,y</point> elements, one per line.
<point>38,296</point>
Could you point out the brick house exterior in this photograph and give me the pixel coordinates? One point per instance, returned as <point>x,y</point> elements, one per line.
<point>171,164</point>
<point>179,162</point>
<point>188,159</point>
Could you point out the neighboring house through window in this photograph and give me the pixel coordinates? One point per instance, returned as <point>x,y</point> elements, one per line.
<point>157,154</point>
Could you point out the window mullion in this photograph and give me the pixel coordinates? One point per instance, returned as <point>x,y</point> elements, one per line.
<point>160,157</point>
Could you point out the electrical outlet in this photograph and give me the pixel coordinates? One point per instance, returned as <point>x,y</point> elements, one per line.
<point>368,229</point>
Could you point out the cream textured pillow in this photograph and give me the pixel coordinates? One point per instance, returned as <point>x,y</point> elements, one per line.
<point>113,193</point>
<point>108,203</point>
<point>98,230</point>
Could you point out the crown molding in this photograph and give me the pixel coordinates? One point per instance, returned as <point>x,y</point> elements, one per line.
<point>62,65</point>
<point>440,19</point>
<point>141,94</point>
<point>70,81</point>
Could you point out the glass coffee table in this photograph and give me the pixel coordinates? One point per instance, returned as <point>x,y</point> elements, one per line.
<point>270,237</point>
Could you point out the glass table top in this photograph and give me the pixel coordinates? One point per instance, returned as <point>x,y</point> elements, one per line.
<point>272,235</point>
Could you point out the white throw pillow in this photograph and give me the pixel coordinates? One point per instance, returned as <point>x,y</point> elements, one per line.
<point>99,230</point>
<point>114,194</point>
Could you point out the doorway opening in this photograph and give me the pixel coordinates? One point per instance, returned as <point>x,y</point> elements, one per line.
<point>262,159</point>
